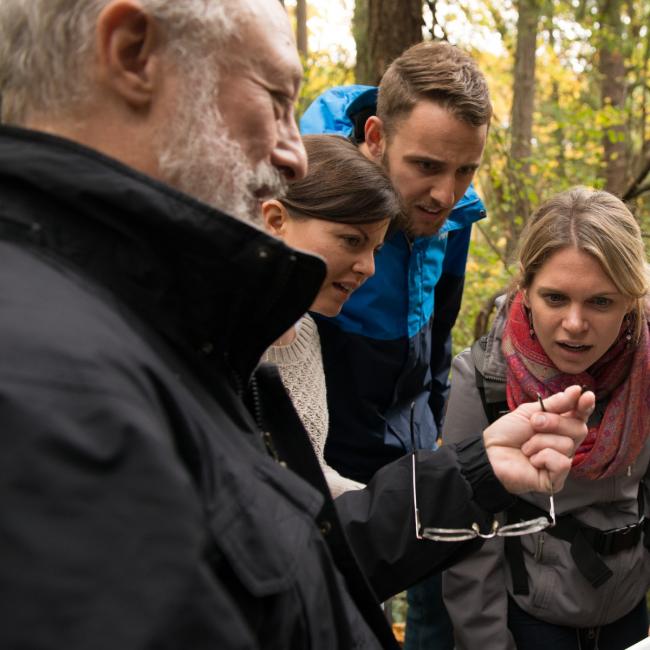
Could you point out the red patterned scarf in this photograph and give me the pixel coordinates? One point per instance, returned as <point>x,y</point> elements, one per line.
<point>621,376</point>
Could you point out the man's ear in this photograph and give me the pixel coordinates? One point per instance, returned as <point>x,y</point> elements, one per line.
<point>127,56</point>
<point>275,217</point>
<point>375,137</point>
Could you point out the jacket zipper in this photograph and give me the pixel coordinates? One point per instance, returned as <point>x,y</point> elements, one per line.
<point>258,416</point>
<point>501,380</point>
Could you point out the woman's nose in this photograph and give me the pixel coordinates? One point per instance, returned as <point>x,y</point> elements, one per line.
<point>365,264</point>
<point>574,320</point>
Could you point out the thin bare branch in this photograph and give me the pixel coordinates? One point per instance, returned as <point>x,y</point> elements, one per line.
<point>635,188</point>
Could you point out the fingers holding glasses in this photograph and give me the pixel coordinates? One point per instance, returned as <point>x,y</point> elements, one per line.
<point>562,443</point>
<point>553,466</point>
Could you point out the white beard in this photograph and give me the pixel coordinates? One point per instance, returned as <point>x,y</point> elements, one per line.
<point>197,155</point>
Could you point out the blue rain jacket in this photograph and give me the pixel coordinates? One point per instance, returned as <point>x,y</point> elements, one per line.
<point>387,355</point>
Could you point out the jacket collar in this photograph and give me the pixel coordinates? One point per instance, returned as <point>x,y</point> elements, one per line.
<point>199,276</point>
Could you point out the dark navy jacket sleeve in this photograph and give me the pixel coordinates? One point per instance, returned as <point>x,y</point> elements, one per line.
<point>448,298</point>
<point>456,487</point>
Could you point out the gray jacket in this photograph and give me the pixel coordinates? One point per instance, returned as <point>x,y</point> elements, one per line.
<point>476,589</point>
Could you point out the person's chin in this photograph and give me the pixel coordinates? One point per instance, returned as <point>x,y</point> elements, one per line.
<point>330,309</point>
<point>424,224</point>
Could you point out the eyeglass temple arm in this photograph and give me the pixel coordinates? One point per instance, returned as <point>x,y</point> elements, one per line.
<point>552,502</point>
<point>416,510</point>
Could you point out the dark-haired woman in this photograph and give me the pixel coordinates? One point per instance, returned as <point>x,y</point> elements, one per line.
<point>340,211</point>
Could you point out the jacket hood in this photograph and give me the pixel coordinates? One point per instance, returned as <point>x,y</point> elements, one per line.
<point>332,111</point>
<point>199,276</point>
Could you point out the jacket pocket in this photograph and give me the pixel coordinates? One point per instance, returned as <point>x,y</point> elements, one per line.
<point>262,525</point>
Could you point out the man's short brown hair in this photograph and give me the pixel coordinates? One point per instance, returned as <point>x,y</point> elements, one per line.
<point>438,72</point>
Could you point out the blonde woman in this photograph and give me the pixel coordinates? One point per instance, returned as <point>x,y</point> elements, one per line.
<point>576,316</point>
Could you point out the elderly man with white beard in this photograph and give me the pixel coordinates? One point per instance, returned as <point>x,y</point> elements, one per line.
<point>157,489</point>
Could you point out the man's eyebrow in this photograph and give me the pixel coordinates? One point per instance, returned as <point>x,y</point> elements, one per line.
<point>284,77</point>
<point>424,158</point>
<point>436,161</point>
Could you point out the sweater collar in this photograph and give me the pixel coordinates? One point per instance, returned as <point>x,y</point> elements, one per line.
<point>196,274</point>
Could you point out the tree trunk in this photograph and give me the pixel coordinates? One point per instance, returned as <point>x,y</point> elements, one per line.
<point>301,27</point>
<point>362,70</point>
<point>558,133</point>
<point>523,104</point>
<point>383,30</point>
<point>612,69</point>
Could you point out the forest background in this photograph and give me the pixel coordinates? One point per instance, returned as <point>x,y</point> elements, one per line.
<point>570,89</point>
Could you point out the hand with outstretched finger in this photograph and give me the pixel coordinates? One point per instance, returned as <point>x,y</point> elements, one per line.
<point>530,449</point>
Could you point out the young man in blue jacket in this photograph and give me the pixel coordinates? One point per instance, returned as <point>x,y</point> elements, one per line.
<point>387,356</point>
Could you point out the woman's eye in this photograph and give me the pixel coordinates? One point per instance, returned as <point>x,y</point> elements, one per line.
<point>351,240</point>
<point>600,301</point>
<point>554,298</point>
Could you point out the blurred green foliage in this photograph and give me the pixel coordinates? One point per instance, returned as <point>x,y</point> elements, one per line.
<point>486,276</point>
<point>322,70</point>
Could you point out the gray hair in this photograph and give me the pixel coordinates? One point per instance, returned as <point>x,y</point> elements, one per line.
<point>46,47</point>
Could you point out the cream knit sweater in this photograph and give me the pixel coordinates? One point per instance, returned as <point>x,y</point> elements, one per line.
<point>301,368</point>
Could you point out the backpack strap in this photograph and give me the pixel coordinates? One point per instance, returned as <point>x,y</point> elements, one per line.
<point>588,544</point>
<point>493,398</point>
<point>515,556</point>
<point>491,390</point>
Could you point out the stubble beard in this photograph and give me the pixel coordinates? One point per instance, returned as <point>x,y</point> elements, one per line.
<point>409,222</point>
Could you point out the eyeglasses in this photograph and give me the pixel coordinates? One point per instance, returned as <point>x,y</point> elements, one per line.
<point>462,534</point>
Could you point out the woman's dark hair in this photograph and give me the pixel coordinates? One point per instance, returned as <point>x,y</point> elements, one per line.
<point>341,185</point>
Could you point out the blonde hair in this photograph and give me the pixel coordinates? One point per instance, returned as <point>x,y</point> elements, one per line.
<point>597,223</point>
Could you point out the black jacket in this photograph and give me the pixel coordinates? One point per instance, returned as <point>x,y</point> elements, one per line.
<point>141,506</point>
